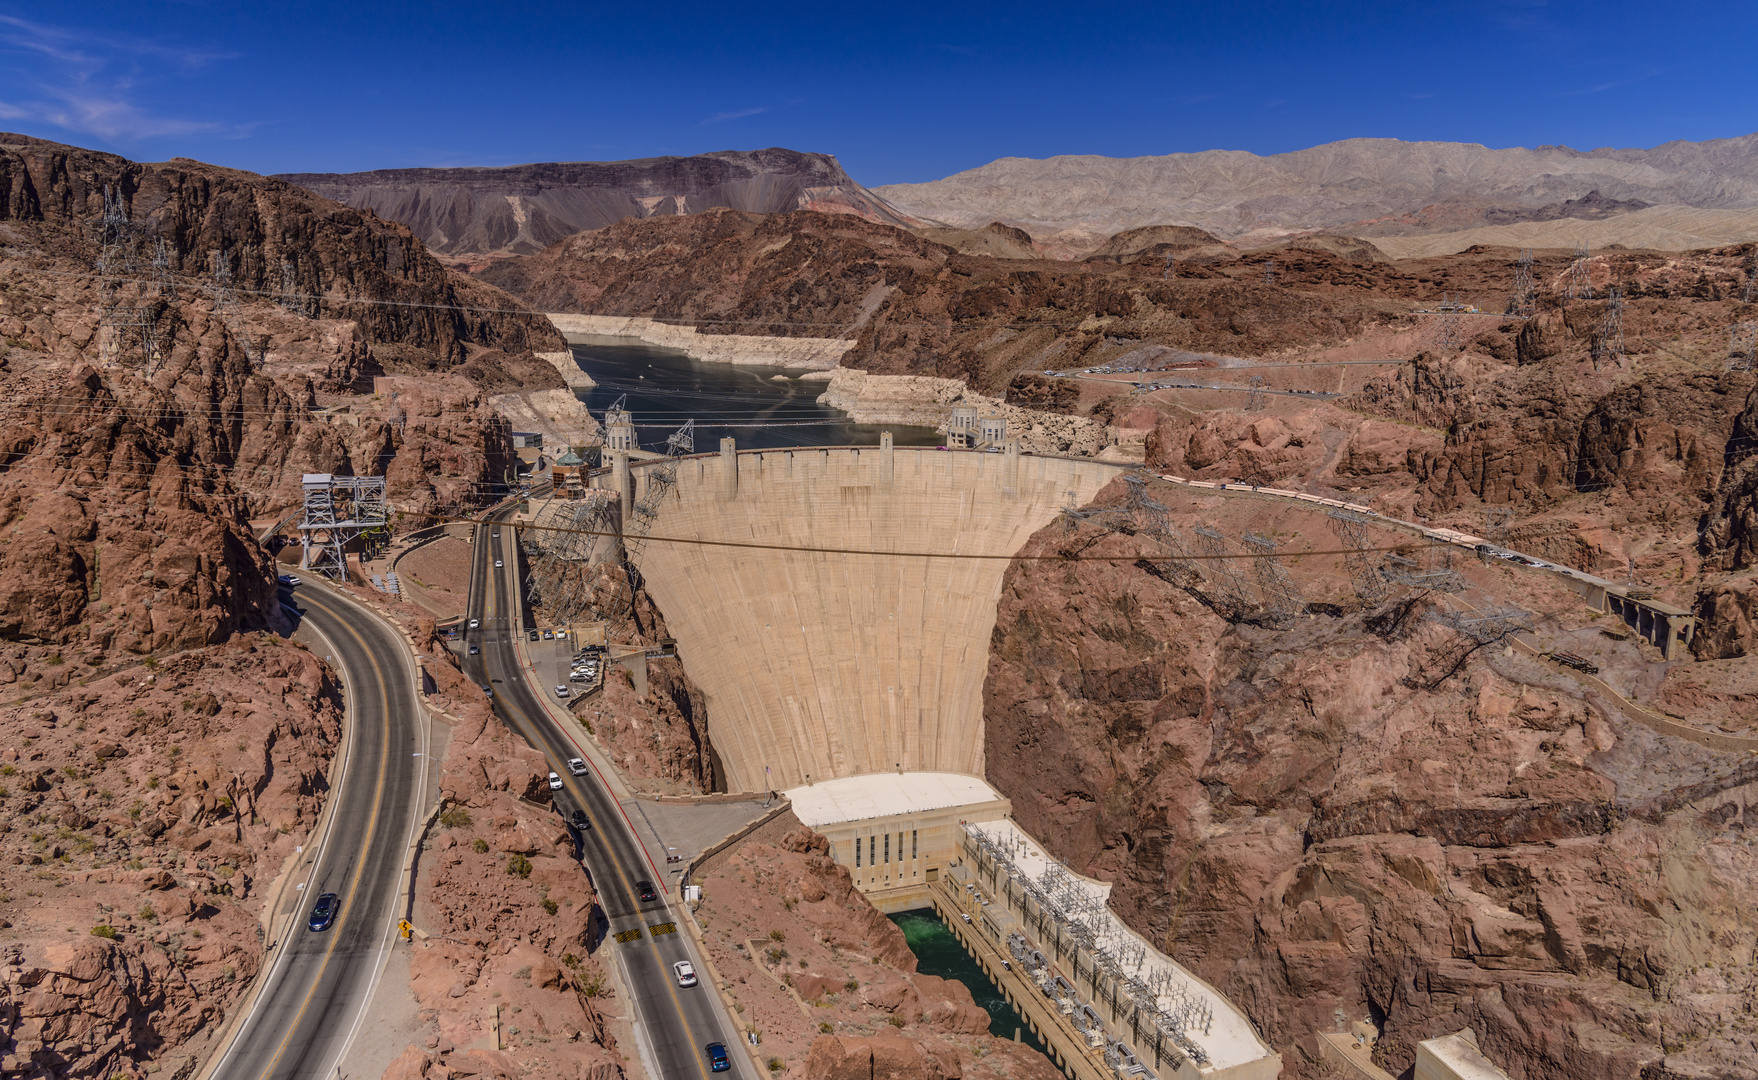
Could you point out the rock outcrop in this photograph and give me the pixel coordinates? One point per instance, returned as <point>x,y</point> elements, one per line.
<point>146,809</point>
<point>1287,814</point>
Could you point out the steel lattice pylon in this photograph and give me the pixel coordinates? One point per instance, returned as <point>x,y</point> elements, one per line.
<point>1580,284</point>
<point>1523,297</point>
<point>1281,597</point>
<point>339,510</point>
<point>1219,567</point>
<point>661,478</point>
<point>1364,569</point>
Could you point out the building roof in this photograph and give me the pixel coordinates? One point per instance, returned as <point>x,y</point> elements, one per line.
<point>855,798</point>
<point>569,459</point>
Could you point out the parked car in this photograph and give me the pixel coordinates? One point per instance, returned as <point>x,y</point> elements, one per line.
<point>549,635</point>
<point>685,973</point>
<point>555,782</point>
<point>577,766</point>
<point>561,691</point>
<point>645,890</point>
<point>324,913</point>
<point>532,635</point>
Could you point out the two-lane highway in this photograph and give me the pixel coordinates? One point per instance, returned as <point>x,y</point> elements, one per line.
<point>319,982</point>
<point>643,936</point>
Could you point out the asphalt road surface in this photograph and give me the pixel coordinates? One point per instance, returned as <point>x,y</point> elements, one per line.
<point>320,981</point>
<point>678,1022</point>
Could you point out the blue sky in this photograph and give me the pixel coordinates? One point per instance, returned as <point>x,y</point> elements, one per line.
<point>898,92</point>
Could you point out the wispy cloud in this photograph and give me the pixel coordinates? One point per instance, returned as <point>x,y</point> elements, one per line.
<point>1600,88</point>
<point>721,118</point>
<point>91,82</point>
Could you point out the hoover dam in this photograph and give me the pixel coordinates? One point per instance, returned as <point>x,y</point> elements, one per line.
<point>866,658</point>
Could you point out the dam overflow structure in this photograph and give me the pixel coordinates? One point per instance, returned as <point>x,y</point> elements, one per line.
<point>871,658</point>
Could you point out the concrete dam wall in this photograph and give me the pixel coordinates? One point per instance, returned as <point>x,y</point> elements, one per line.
<point>822,665</point>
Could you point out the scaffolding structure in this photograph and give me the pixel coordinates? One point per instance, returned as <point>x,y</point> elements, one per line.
<point>1580,282</point>
<point>1105,966</point>
<point>1523,297</point>
<point>339,510</point>
<point>1364,568</point>
<point>1742,351</point>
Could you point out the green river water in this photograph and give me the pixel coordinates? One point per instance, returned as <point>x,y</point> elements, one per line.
<point>938,952</point>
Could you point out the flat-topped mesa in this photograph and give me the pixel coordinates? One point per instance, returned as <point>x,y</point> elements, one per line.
<point>838,660</point>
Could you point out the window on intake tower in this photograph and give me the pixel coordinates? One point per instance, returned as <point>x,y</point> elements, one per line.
<point>900,847</point>
<point>857,852</point>
<point>887,847</point>
<point>912,843</point>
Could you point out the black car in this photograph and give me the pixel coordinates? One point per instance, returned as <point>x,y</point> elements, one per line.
<point>580,821</point>
<point>717,1059</point>
<point>646,890</point>
<point>324,913</point>
<point>533,635</point>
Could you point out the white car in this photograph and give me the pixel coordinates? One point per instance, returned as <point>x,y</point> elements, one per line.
<point>474,623</point>
<point>561,691</point>
<point>555,782</point>
<point>497,564</point>
<point>577,766</point>
<point>685,972</point>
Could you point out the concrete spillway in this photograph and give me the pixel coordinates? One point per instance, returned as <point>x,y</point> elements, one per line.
<point>828,665</point>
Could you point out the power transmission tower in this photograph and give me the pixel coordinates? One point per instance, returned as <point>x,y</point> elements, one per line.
<point>1496,520</point>
<point>1269,271</point>
<point>290,297</point>
<point>1171,267</point>
<point>1609,342</point>
<point>1523,297</point>
<point>1281,596</point>
<point>1742,352</point>
<point>1254,398</point>
<point>1749,291</point>
<point>1449,328</point>
<point>123,325</point>
<point>1229,585</point>
<point>1580,286</point>
<point>163,283</point>
<point>1364,569</point>
<point>661,478</point>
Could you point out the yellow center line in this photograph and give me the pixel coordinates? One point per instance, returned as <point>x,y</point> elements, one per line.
<point>616,865</point>
<point>371,830</point>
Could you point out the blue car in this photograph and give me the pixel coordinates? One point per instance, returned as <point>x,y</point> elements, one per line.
<point>717,1059</point>
<point>324,913</point>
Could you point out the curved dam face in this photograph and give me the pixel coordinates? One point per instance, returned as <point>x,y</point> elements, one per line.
<point>821,665</point>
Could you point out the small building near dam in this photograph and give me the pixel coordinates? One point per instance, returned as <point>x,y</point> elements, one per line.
<point>896,832</point>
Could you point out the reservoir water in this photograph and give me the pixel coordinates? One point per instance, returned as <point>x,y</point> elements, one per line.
<point>938,952</point>
<point>666,388</point>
